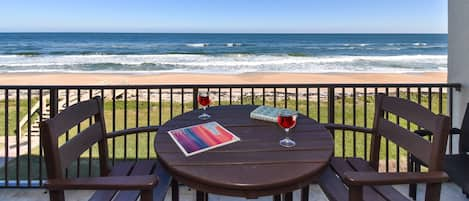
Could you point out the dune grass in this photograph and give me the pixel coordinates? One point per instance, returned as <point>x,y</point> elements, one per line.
<point>12,114</point>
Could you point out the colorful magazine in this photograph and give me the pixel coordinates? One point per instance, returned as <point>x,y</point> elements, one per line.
<point>202,137</point>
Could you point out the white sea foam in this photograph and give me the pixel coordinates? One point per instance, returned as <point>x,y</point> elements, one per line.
<point>419,44</point>
<point>231,63</point>
<point>233,44</point>
<point>197,45</point>
<point>356,45</point>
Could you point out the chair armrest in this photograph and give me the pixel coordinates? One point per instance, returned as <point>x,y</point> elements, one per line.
<point>132,131</point>
<point>347,127</point>
<point>376,178</point>
<point>144,182</point>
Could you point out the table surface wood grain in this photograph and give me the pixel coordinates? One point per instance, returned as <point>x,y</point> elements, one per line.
<point>255,166</point>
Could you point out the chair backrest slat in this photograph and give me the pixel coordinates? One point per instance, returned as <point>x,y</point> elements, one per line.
<point>72,149</point>
<point>429,152</point>
<point>73,116</point>
<point>410,141</point>
<point>411,111</point>
<point>58,158</point>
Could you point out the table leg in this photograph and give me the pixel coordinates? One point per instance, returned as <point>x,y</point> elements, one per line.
<point>277,198</point>
<point>305,193</point>
<point>201,196</point>
<point>174,190</point>
<point>288,196</point>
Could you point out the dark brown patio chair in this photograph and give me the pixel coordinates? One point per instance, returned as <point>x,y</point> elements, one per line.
<point>456,164</point>
<point>355,179</point>
<point>125,181</point>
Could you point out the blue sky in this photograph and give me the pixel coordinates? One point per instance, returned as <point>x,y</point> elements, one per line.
<point>227,16</point>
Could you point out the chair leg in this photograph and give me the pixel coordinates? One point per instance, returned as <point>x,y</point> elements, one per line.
<point>432,192</point>
<point>201,196</point>
<point>146,195</point>
<point>305,193</point>
<point>174,190</point>
<point>56,195</point>
<point>411,167</point>
<point>413,191</point>
<point>288,196</point>
<point>355,193</point>
<point>277,198</point>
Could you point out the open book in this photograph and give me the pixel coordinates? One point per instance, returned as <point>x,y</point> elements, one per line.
<point>202,137</point>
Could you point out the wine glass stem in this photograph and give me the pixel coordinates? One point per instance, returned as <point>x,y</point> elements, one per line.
<point>287,131</point>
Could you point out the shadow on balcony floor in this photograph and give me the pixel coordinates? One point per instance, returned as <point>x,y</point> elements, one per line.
<point>450,192</point>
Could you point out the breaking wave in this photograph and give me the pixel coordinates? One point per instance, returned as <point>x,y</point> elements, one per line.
<point>226,63</point>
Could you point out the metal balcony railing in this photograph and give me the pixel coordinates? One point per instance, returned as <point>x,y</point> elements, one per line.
<point>126,106</point>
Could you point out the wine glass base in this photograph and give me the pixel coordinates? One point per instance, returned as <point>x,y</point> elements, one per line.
<point>287,142</point>
<point>204,116</point>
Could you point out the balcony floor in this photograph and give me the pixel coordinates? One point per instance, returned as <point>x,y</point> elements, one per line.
<point>449,192</point>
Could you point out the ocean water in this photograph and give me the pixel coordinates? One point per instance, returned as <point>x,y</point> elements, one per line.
<point>222,53</point>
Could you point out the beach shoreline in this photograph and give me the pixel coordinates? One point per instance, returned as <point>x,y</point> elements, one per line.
<point>15,78</point>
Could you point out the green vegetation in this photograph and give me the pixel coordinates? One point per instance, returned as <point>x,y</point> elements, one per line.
<point>12,115</point>
<point>348,111</point>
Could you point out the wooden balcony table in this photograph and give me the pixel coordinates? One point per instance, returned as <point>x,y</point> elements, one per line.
<point>255,166</point>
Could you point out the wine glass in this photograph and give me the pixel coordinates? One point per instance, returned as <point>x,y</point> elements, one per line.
<point>287,120</point>
<point>204,100</point>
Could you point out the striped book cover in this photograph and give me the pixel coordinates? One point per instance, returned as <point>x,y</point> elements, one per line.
<point>202,137</point>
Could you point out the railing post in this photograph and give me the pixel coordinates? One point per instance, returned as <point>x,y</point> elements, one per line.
<point>451,115</point>
<point>195,93</point>
<point>54,102</point>
<point>331,104</point>
<point>330,108</point>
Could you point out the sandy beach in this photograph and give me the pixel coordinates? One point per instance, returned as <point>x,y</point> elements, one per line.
<point>243,78</point>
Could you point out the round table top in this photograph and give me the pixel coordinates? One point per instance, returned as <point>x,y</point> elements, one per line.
<point>255,166</point>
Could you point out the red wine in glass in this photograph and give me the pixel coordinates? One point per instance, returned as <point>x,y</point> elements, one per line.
<point>287,120</point>
<point>204,100</point>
